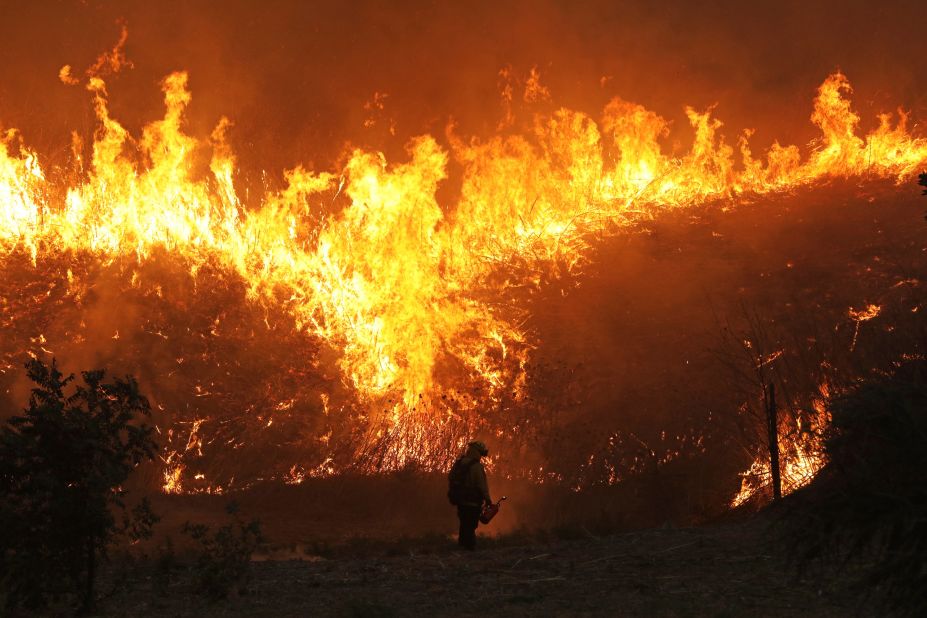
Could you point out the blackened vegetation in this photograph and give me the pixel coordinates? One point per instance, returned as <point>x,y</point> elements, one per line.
<point>198,351</point>
<point>867,510</point>
<point>772,422</point>
<point>923,182</point>
<point>63,464</point>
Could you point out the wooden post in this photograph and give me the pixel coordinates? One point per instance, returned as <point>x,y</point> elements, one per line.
<point>772,419</point>
<point>87,606</point>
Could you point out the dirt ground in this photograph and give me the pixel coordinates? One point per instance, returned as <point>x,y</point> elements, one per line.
<point>724,570</point>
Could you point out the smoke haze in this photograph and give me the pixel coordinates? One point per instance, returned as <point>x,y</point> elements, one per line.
<point>294,77</point>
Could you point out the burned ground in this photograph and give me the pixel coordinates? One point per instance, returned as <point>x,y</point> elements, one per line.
<point>734,569</point>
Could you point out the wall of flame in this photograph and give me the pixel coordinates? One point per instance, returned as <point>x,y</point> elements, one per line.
<point>415,301</point>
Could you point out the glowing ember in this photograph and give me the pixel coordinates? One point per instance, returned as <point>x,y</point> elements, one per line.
<point>860,316</point>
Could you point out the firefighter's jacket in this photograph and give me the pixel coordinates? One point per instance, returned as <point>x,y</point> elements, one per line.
<point>476,479</point>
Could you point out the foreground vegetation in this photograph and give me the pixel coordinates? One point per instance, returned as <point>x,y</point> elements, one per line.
<point>63,464</point>
<point>869,504</point>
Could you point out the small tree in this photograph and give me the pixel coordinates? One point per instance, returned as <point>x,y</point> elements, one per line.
<point>63,464</point>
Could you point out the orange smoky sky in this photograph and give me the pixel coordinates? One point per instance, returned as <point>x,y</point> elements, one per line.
<point>300,79</point>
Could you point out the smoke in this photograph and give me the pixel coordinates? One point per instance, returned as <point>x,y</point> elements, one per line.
<point>294,77</point>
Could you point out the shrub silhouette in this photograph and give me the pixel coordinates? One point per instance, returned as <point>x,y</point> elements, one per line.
<point>63,464</point>
<point>869,504</point>
<point>223,558</point>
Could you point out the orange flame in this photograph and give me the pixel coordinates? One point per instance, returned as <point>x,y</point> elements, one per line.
<point>801,452</point>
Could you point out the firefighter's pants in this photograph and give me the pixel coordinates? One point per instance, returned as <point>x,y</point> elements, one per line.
<point>469,517</point>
